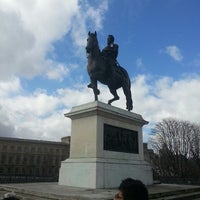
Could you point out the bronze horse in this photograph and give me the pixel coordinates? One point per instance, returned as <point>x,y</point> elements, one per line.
<point>98,71</point>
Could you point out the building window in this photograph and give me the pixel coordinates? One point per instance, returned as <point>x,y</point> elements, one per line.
<point>37,172</point>
<point>10,161</point>
<point>4,148</point>
<point>19,149</point>
<point>3,158</point>
<point>64,151</point>
<point>32,160</point>
<point>57,151</point>
<point>44,159</point>
<point>56,161</point>
<point>39,150</point>
<point>1,170</point>
<point>25,149</point>
<point>16,171</point>
<point>24,171</point>
<point>32,149</point>
<point>38,160</point>
<point>51,151</point>
<point>25,160</point>
<point>30,171</point>
<point>45,150</point>
<point>12,148</point>
<point>18,159</point>
<point>10,170</point>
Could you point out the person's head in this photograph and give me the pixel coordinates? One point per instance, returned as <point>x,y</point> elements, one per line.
<point>110,39</point>
<point>10,196</point>
<point>131,189</point>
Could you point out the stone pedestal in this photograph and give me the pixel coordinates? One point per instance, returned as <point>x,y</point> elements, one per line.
<point>106,147</point>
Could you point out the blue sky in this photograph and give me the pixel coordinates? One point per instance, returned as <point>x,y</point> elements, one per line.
<point>43,60</point>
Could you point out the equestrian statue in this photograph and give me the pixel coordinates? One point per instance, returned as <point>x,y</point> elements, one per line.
<point>103,67</point>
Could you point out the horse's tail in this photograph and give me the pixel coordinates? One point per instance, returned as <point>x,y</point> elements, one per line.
<point>126,85</point>
<point>125,76</point>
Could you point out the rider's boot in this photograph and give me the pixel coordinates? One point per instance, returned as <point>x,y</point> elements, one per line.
<point>90,85</point>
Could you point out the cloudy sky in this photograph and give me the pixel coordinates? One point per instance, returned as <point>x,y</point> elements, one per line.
<point>43,60</point>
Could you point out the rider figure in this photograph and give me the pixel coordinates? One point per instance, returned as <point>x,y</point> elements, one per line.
<point>110,53</point>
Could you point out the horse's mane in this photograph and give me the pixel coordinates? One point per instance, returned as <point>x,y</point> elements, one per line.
<point>96,40</point>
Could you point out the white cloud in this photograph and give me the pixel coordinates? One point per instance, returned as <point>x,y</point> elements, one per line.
<point>97,13</point>
<point>11,87</point>
<point>174,52</point>
<point>58,72</point>
<point>166,97</point>
<point>139,63</point>
<point>6,127</point>
<point>195,62</point>
<point>38,115</point>
<point>29,29</point>
<point>16,44</point>
<point>41,115</point>
<point>88,17</point>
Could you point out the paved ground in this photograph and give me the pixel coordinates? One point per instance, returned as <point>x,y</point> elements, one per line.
<point>29,191</point>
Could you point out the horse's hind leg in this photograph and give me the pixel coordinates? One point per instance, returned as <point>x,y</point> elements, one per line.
<point>114,93</point>
<point>129,102</point>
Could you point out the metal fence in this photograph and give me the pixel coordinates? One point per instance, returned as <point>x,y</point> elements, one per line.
<point>26,179</point>
<point>182,181</point>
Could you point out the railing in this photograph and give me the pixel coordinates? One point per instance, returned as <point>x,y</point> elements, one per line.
<point>182,181</point>
<point>26,179</point>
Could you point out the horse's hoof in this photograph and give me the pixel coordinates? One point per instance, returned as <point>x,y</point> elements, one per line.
<point>129,108</point>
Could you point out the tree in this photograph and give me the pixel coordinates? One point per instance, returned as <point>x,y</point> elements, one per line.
<point>177,145</point>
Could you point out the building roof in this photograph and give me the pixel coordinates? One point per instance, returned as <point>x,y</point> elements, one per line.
<point>9,139</point>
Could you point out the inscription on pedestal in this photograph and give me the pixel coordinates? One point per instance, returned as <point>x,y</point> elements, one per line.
<point>120,139</point>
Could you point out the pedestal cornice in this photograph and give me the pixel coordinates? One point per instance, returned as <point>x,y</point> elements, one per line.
<point>105,110</point>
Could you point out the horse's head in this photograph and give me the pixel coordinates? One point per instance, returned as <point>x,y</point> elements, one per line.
<point>92,42</point>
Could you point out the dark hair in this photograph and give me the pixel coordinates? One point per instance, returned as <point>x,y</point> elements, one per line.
<point>133,189</point>
<point>11,198</point>
<point>111,37</point>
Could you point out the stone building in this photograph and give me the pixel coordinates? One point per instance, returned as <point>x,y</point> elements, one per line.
<point>148,153</point>
<point>31,160</point>
<point>25,160</point>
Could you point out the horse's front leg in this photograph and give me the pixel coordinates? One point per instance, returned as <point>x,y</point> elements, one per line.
<point>93,85</point>
<point>114,93</point>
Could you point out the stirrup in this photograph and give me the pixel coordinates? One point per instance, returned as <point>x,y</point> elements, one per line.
<point>89,85</point>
